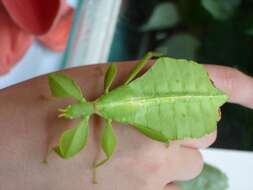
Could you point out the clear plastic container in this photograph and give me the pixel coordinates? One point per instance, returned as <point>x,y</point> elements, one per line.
<point>92,32</point>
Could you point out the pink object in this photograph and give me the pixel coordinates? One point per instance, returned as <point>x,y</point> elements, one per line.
<point>57,38</point>
<point>22,20</point>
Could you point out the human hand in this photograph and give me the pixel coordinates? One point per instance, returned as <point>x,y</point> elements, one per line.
<point>29,123</point>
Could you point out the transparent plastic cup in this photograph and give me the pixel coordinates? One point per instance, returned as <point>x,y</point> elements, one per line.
<point>92,32</point>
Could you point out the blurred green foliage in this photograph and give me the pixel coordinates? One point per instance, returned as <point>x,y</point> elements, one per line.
<point>207,31</point>
<point>210,178</point>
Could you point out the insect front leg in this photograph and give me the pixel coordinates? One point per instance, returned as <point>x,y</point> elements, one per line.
<point>49,151</point>
<point>139,66</point>
<point>109,77</point>
<point>47,97</point>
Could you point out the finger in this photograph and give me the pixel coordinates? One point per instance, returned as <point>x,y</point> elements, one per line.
<point>186,164</point>
<point>238,86</point>
<point>202,142</point>
<point>191,164</point>
<point>171,186</point>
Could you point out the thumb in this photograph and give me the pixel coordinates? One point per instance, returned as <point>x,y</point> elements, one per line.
<point>238,86</point>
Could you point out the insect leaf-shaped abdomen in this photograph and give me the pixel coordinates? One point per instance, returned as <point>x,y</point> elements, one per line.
<point>174,99</point>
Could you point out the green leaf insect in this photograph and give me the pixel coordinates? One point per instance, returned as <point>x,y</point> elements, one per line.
<point>173,100</point>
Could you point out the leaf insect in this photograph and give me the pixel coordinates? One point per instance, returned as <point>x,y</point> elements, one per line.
<point>173,100</point>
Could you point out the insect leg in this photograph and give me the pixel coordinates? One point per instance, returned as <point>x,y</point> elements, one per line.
<point>140,65</point>
<point>109,77</point>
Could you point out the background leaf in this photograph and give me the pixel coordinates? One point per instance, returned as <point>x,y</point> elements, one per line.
<point>249,31</point>
<point>221,9</point>
<point>164,16</point>
<point>210,178</point>
<point>174,98</point>
<point>109,76</point>
<point>249,25</point>
<point>63,86</point>
<point>74,140</point>
<point>180,46</point>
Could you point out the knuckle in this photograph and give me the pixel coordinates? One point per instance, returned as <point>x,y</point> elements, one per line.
<point>146,170</point>
<point>152,162</point>
<point>153,167</point>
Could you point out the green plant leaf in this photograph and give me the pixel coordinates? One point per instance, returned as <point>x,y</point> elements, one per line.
<point>181,45</point>
<point>249,28</point>
<point>108,141</point>
<point>221,9</point>
<point>175,98</point>
<point>63,86</point>
<point>109,77</point>
<point>164,16</point>
<point>249,31</point>
<point>73,140</point>
<point>210,178</point>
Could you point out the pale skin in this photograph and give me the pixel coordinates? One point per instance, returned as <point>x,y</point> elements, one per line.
<point>29,126</point>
